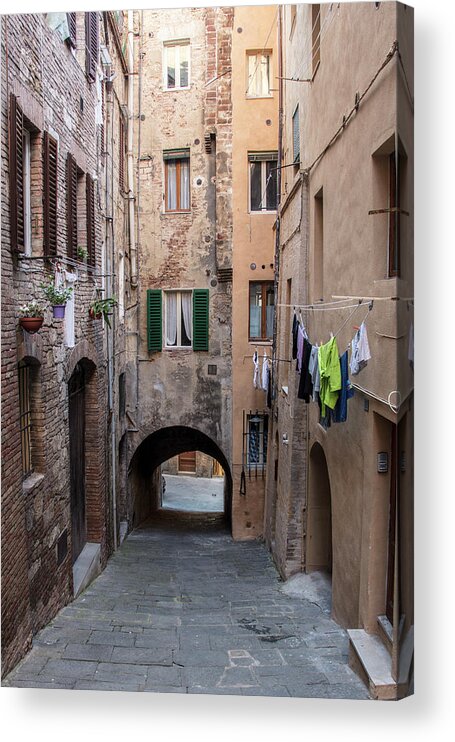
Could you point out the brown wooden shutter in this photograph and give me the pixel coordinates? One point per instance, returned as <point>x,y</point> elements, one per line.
<point>71,40</point>
<point>102,142</point>
<point>71,206</point>
<point>91,45</point>
<point>50,150</point>
<point>90,201</point>
<point>16,174</point>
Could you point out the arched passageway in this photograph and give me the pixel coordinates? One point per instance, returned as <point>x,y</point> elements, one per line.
<point>144,473</point>
<point>319,545</point>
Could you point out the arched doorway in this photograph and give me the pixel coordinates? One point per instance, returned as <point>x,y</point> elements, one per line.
<point>76,394</point>
<point>319,528</point>
<point>144,472</point>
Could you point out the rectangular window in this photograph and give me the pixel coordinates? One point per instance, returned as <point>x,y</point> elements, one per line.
<point>263,180</point>
<point>176,64</point>
<point>50,165</point>
<point>262,310</point>
<point>177,180</point>
<point>315,35</point>
<point>25,418</point>
<point>178,319</point>
<point>71,206</point>
<point>296,137</point>
<point>257,433</point>
<point>90,215</point>
<point>259,74</point>
<point>27,192</point>
<point>92,45</point>
<point>394,216</point>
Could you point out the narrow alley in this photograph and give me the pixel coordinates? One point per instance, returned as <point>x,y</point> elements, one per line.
<point>191,611</point>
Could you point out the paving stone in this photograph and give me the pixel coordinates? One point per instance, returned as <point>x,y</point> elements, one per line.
<point>113,638</point>
<point>96,652</point>
<point>142,656</point>
<point>68,669</point>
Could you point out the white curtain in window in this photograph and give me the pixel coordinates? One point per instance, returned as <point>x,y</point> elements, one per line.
<point>171,185</point>
<point>186,311</point>
<point>185,184</point>
<point>269,314</point>
<point>263,72</point>
<point>171,318</point>
<point>255,321</point>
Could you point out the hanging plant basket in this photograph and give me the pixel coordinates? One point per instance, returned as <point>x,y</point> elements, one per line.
<point>94,315</point>
<point>31,324</point>
<point>58,311</point>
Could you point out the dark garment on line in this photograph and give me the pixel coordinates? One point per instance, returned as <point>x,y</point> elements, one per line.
<point>340,412</point>
<point>295,327</point>
<point>306,382</point>
<point>327,420</point>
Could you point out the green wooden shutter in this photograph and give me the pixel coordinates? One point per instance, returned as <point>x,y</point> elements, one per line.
<point>200,319</point>
<point>154,319</point>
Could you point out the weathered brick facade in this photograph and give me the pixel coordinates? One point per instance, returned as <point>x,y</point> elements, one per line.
<point>48,79</point>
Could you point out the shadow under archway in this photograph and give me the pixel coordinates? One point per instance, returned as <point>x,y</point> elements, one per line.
<point>319,529</point>
<point>158,447</point>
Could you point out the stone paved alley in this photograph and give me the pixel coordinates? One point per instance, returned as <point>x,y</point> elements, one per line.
<point>191,611</point>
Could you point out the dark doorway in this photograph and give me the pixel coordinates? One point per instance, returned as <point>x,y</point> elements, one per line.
<point>76,392</point>
<point>392,526</point>
<point>319,551</point>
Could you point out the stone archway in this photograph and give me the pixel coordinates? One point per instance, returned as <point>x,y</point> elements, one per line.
<point>319,529</point>
<point>155,449</point>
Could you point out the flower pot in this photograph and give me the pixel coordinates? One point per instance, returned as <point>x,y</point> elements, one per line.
<point>92,315</point>
<point>31,324</point>
<point>58,311</point>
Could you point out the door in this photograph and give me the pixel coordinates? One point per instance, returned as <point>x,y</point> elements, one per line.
<point>187,462</point>
<point>76,391</point>
<point>392,526</point>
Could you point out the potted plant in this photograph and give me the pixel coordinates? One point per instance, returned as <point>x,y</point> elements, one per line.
<point>82,253</point>
<point>99,308</point>
<point>57,296</point>
<point>31,316</point>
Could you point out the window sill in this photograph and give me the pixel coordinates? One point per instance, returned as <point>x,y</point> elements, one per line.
<point>32,481</point>
<point>258,97</point>
<point>263,342</point>
<point>263,211</point>
<point>174,213</point>
<point>178,347</point>
<point>176,90</point>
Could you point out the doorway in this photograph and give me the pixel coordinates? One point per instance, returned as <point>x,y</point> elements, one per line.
<point>319,528</point>
<point>76,393</point>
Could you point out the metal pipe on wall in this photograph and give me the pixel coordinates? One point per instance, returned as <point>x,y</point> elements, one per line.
<point>132,235</point>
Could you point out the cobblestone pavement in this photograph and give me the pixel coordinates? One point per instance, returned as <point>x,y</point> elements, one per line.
<point>191,611</point>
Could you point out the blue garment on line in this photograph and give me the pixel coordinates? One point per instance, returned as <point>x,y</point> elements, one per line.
<point>340,412</point>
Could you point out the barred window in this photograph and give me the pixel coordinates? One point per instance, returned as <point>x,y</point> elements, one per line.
<point>257,432</point>
<point>25,417</point>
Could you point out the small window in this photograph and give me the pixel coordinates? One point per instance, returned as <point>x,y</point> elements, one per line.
<point>296,137</point>
<point>27,192</point>
<point>258,427</point>
<point>25,418</point>
<point>259,74</point>
<point>176,65</point>
<point>394,214</point>
<point>178,319</point>
<point>177,180</point>
<point>92,45</point>
<point>263,180</point>
<point>262,310</point>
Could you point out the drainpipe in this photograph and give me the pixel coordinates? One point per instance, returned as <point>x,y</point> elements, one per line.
<point>132,238</point>
<point>278,217</point>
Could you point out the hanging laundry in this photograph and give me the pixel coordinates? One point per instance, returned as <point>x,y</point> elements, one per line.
<point>300,339</point>
<point>256,383</point>
<point>305,385</point>
<point>360,350</point>
<point>264,375</point>
<point>340,412</point>
<point>295,329</point>
<point>330,375</point>
<point>313,368</point>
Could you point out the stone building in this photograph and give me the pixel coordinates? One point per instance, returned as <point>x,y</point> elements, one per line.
<point>339,494</point>
<point>64,214</point>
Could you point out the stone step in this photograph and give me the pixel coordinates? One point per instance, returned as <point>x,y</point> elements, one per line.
<point>386,632</point>
<point>370,659</point>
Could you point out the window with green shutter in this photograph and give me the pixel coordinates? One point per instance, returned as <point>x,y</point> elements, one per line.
<point>154,320</point>
<point>200,319</point>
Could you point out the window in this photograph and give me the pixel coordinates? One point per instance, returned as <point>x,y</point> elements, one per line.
<point>259,68</point>
<point>27,193</point>
<point>178,318</point>
<point>318,248</point>
<point>177,180</point>
<point>262,310</point>
<point>176,64</point>
<point>72,29</point>
<point>71,206</point>
<point>90,215</point>
<point>263,170</point>
<point>186,319</point>
<point>25,418</point>
<point>50,164</point>
<point>296,137</point>
<point>394,214</point>
<point>316,35</point>
<point>92,44</point>
<point>22,140</point>
<point>257,431</point>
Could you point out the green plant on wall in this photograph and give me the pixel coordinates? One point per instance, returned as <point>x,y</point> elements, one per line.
<point>100,308</point>
<point>56,295</point>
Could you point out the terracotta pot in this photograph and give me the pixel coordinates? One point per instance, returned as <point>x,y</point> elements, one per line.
<point>31,324</point>
<point>92,314</point>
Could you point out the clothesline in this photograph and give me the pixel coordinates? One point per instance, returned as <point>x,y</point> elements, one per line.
<point>324,307</point>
